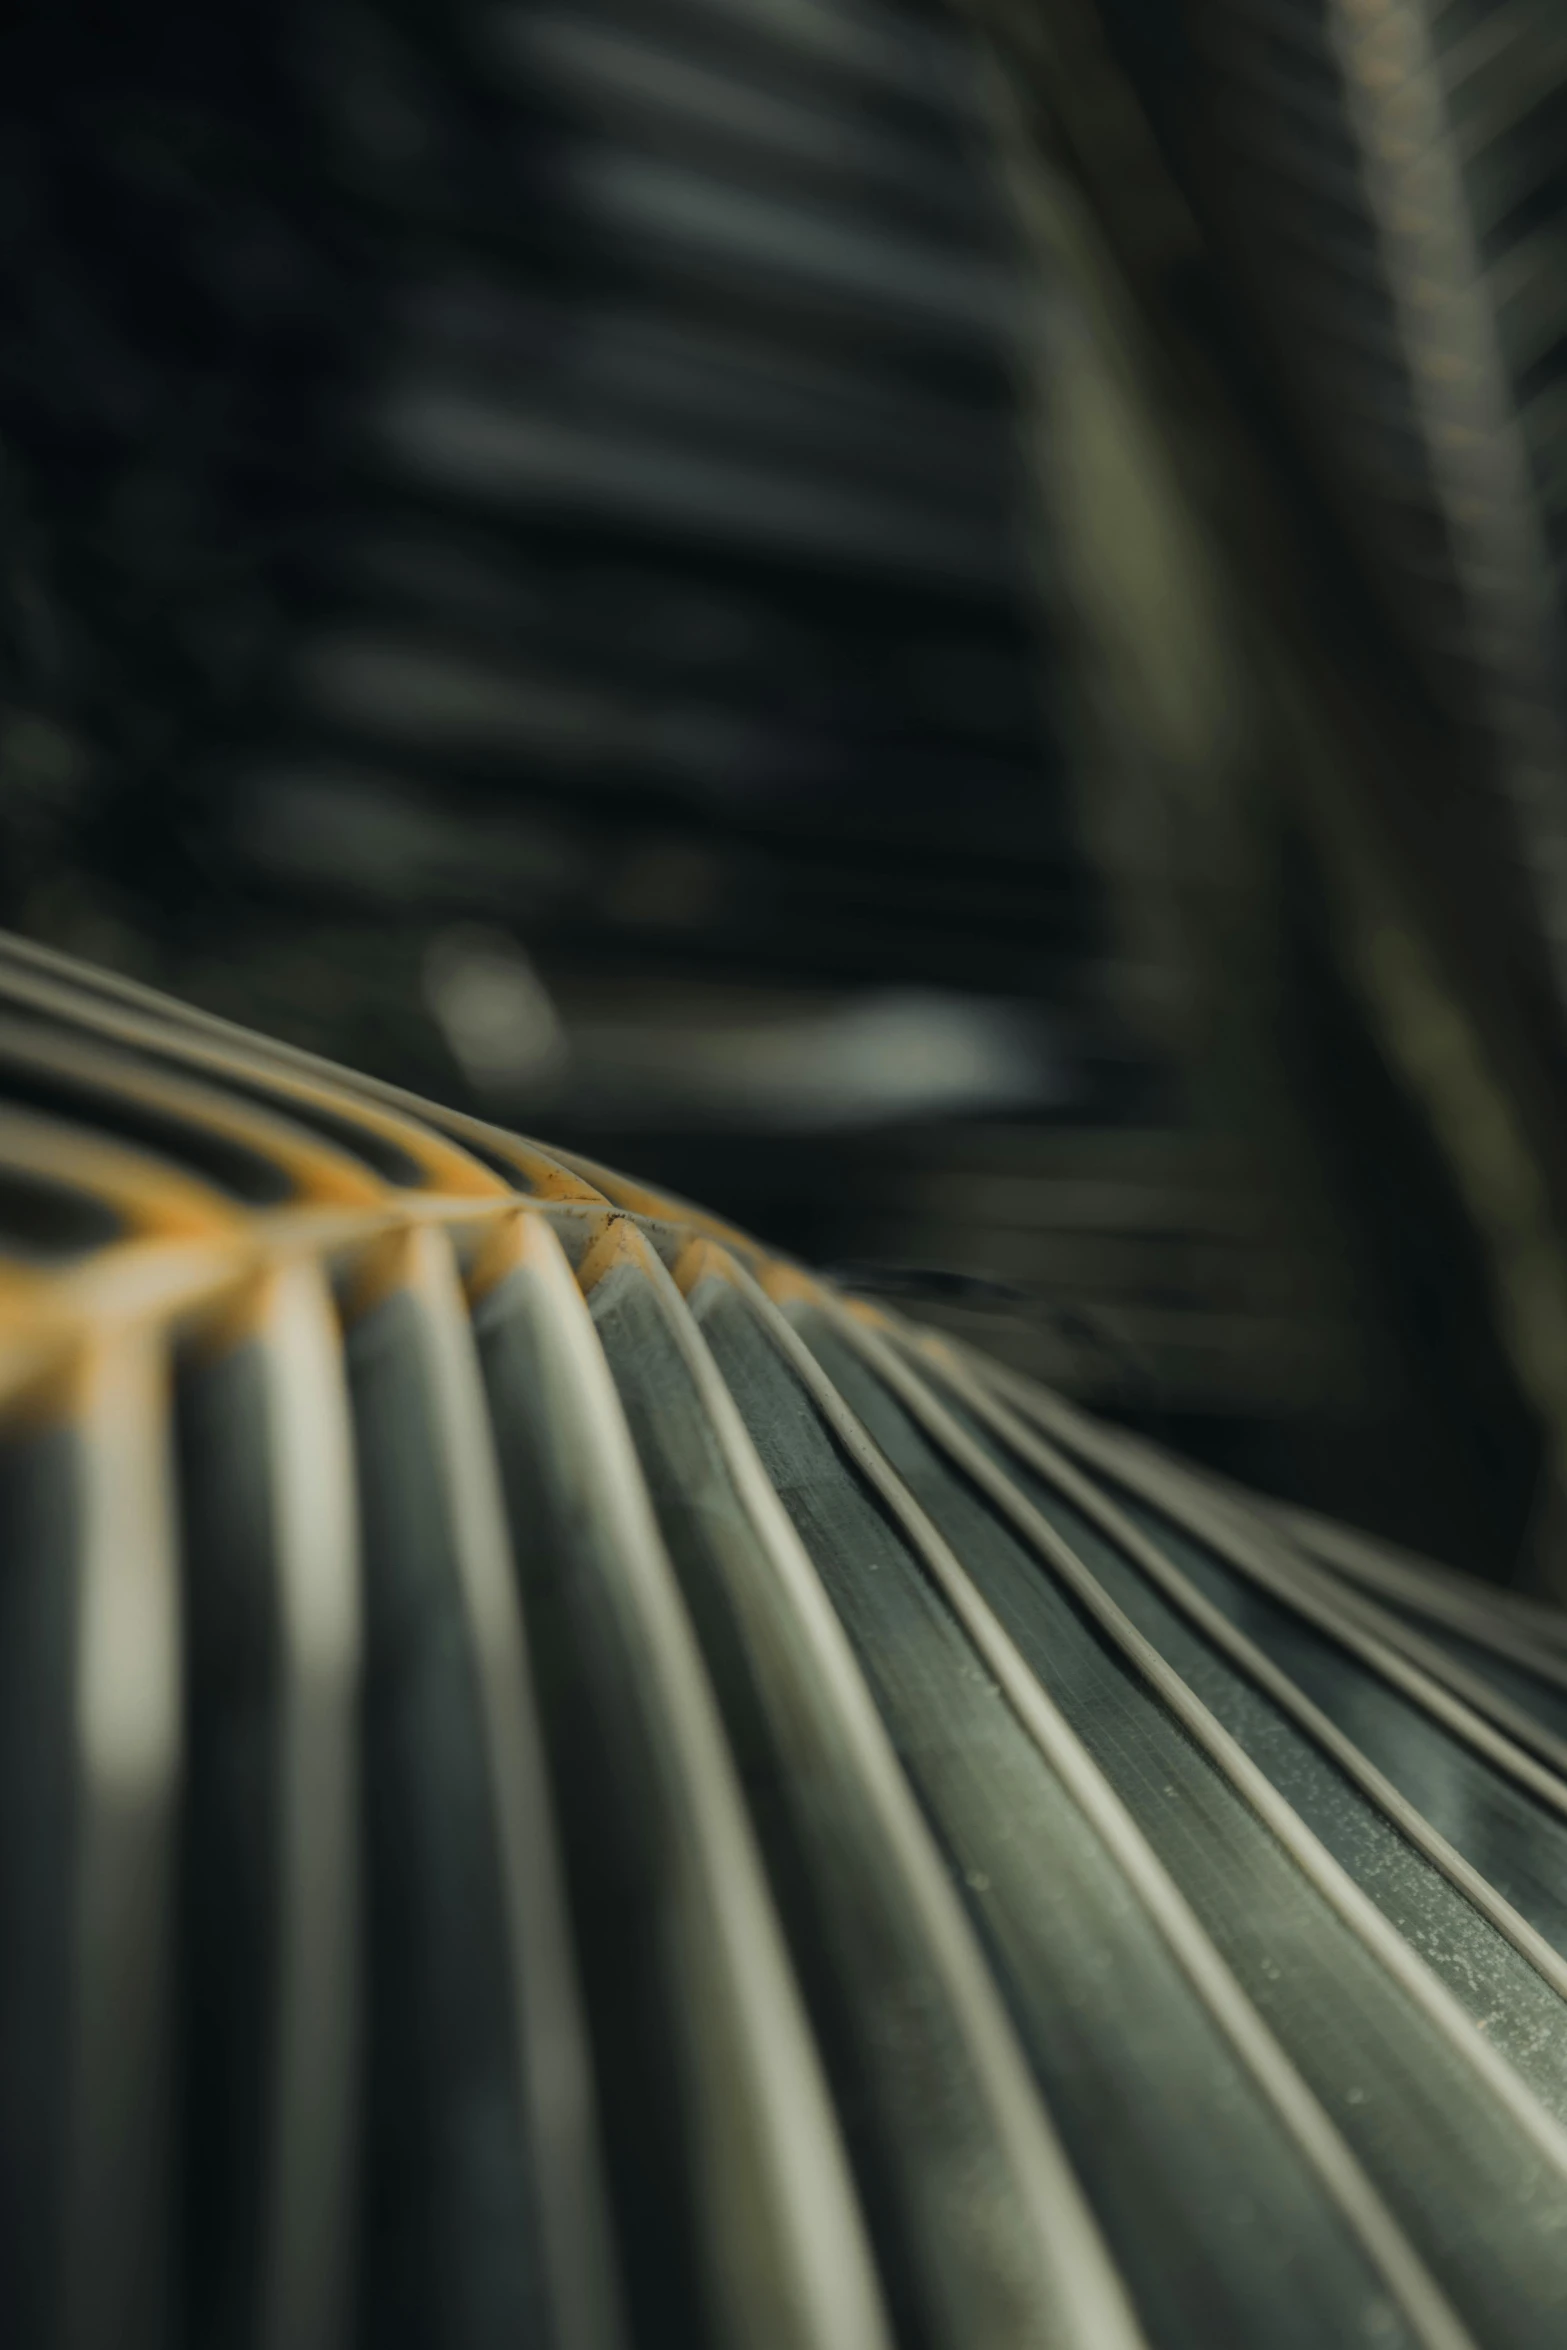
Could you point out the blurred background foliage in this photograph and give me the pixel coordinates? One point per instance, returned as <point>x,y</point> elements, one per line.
<point>939,628</point>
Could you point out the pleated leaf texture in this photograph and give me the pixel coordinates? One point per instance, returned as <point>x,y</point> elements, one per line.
<point>563,1783</point>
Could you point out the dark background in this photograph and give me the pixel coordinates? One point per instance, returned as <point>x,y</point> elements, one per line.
<point>532,567</point>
